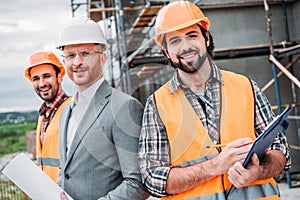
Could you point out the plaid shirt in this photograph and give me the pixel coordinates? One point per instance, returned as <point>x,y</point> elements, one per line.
<point>154,146</point>
<point>47,112</point>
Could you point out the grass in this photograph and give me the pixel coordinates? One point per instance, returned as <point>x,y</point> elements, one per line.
<point>13,137</point>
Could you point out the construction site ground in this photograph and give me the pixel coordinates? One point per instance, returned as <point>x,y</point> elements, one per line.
<point>289,193</point>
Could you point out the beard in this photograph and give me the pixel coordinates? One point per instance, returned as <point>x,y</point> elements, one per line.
<point>188,67</point>
<point>50,95</point>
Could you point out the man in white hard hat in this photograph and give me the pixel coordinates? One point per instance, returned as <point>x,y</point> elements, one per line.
<point>46,72</point>
<point>99,131</point>
<point>187,120</point>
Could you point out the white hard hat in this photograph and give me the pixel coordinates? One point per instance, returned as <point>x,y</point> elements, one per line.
<point>81,30</point>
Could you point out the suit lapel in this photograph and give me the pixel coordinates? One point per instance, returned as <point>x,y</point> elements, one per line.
<point>96,106</point>
<point>65,116</point>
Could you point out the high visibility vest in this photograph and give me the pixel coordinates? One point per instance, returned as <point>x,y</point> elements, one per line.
<point>47,154</point>
<point>188,138</point>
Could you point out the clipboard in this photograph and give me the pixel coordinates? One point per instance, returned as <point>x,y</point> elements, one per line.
<point>266,138</point>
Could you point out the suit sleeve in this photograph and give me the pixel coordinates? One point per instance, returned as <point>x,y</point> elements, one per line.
<point>126,131</point>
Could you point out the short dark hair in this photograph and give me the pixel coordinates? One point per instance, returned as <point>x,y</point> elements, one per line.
<point>57,71</point>
<point>211,47</point>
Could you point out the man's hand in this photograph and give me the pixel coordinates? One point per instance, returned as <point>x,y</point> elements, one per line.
<point>240,176</point>
<point>63,196</point>
<point>233,152</point>
<point>183,179</point>
<point>272,164</point>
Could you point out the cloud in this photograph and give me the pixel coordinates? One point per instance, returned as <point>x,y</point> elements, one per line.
<point>26,27</point>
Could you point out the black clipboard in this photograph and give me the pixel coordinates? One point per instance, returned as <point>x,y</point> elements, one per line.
<point>266,138</point>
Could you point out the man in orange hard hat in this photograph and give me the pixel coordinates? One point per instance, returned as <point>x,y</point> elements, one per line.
<point>202,106</point>
<point>46,72</point>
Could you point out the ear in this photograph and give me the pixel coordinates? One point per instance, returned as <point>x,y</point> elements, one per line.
<point>208,39</point>
<point>103,58</point>
<point>59,78</point>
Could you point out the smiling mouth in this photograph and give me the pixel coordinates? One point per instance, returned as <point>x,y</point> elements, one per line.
<point>45,90</point>
<point>187,55</point>
<point>78,71</point>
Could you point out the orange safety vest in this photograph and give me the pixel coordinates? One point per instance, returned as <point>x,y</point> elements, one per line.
<point>188,137</point>
<point>47,155</point>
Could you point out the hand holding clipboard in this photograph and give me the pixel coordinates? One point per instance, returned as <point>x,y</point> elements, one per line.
<point>266,138</point>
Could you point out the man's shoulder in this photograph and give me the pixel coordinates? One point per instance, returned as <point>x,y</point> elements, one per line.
<point>66,102</point>
<point>230,73</point>
<point>108,91</point>
<point>118,94</point>
<point>234,75</point>
<point>65,105</point>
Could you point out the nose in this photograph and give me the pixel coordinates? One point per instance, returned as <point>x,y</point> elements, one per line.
<point>185,45</point>
<point>42,82</point>
<point>77,60</point>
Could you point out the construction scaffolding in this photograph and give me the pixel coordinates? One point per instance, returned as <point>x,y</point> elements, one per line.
<point>138,67</point>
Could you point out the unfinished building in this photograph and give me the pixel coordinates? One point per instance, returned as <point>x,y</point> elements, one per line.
<point>257,38</point>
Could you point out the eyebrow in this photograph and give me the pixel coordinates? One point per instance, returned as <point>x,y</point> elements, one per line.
<point>188,33</point>
<point>192,32</point>
<point>76,50</point>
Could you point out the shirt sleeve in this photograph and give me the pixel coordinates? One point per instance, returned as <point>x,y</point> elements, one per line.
<point>154,151</point>
<point>263,116</point>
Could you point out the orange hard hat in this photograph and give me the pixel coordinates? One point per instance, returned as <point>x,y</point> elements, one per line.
<point>178,15</point>
<point>43,57</point>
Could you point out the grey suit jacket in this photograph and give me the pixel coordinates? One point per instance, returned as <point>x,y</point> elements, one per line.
<point>102,160</point>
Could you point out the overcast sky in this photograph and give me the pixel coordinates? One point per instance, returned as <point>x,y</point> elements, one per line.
<point>27,26</point>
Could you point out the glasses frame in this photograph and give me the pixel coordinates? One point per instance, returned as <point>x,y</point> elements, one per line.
<point>84,54</point>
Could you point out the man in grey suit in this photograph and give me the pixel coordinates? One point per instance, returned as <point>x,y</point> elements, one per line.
<point>99,130</point>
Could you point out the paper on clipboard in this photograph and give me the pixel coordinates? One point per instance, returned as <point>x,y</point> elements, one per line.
<point>265,139</point>
<point>31,179</point>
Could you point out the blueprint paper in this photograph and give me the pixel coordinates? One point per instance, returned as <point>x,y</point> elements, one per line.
<point>31,179</point>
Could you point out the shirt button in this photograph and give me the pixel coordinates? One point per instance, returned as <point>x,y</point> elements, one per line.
<point>67,176</point>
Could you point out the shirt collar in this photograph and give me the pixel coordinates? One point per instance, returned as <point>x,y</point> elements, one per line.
<point>55,103</point>
<point>87,93</point>
<point>216,76</point>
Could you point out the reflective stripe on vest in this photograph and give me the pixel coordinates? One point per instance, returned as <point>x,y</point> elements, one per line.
<point>51,162</point>
<point>253,192</point>
<point>48,153</point>
<point>188,137</point>
<point>198,160</point>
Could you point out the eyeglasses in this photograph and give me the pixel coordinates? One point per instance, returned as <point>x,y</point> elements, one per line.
<point>82,54</point>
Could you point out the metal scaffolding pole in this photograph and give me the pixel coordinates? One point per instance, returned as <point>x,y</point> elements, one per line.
<point>269,28</point>
<point>76,5</point>
<point>123,47</point>
<point>268,15</point>
<point>275,64</point>
<point>294,92</point>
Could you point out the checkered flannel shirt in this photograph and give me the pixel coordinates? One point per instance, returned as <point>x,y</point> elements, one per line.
<point>154,146</point>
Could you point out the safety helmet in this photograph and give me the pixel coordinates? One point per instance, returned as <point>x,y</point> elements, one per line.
<point>81,30</point>
<point>43,57</point>
<point>178,15</point>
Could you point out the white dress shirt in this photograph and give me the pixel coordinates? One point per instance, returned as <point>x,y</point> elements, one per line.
<point>80,102</point>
